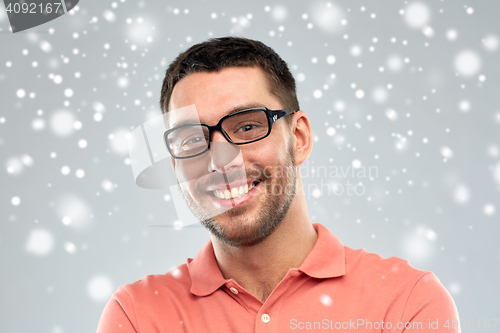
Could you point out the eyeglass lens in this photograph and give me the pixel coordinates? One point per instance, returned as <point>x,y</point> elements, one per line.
<point>240,128</point>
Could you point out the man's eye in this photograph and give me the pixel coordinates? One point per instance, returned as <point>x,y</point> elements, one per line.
<point>191,141</point>
<point>246,128</point>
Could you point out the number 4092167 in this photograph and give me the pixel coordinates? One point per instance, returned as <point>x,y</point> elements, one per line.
<point>32,8</point>
<point>472,324</point>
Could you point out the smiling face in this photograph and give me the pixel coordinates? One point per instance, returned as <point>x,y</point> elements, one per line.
<point>240,193</point>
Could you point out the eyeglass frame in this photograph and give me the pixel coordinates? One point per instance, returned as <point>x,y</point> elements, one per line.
<point>272,116</point>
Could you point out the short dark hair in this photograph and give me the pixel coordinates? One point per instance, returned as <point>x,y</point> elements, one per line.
<point>218,53</point>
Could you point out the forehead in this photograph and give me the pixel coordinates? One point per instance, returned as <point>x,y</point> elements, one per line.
<point>215,94</point>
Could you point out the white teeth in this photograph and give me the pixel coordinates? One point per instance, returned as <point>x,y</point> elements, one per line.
<point>234,193</point>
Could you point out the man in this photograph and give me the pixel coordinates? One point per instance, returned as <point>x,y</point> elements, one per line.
<point>266,268</point>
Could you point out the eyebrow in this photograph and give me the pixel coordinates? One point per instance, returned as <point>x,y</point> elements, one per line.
<point>231,111</point>
<point>243,107</point>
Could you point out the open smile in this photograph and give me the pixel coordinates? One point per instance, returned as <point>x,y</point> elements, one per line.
<point>232,195</point>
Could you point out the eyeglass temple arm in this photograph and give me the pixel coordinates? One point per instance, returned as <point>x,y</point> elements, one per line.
<point>277,114</point>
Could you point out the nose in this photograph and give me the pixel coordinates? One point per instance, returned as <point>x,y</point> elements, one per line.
<point>223,154</point>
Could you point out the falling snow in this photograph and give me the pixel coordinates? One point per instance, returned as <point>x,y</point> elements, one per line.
<point>467,63</point>
<point>417,14</point>
<point>418,102</point>
<point>327,16</point>
<point>99,288</point>
<point>40,242</point>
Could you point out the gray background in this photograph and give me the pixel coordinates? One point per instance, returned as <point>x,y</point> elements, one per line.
<point>67,242</point>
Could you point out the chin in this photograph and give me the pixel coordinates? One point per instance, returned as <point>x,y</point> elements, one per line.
<point>241,230</point>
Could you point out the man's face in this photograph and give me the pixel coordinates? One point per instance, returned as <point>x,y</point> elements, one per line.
<point>267,166</point>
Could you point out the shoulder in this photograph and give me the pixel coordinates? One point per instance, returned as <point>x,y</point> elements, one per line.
<point>428,293</point>
<point>412,289</point>
<point>388,279</point>
<point>141,306</point>
<point>151,288</point>
<point>364,264</point>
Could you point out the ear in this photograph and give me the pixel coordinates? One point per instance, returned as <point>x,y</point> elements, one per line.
<point>302,137</point>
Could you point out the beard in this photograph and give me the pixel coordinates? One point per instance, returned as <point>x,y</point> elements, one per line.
<point>243,230</point>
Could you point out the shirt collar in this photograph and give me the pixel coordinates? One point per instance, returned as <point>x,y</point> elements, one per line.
<point>327,257</point>
<point>204,271</point>
<point>326,260</point>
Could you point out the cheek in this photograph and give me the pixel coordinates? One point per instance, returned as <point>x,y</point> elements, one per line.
<point>189,170</point>
<point>270,153</point>
<point>265,163</point>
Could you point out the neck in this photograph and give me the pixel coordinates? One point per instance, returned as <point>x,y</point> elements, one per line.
<point>259,268</point>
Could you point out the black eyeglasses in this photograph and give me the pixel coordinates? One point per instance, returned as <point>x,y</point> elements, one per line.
<point>242,127</point>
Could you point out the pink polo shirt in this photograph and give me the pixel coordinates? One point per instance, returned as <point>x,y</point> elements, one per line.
<point>335,288</point>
